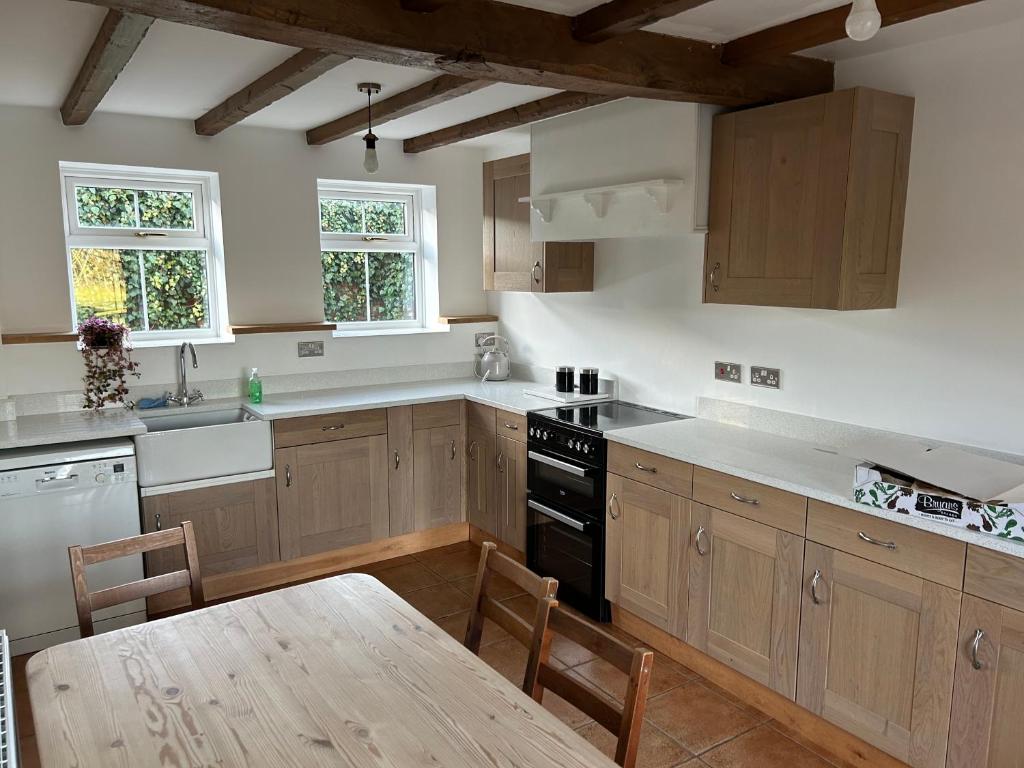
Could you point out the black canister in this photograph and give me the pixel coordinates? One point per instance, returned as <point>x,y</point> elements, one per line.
<point>565,378</point>
<point>588,381</point>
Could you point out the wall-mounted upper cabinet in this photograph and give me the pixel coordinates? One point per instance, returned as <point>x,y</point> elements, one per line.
<point>807,202</point>
<point>512,261</point>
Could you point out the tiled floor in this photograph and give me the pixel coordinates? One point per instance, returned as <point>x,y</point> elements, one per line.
<point>688,721</point>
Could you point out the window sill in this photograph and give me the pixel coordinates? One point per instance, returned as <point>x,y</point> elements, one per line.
<point>391,331</point>
<point>225,339</point>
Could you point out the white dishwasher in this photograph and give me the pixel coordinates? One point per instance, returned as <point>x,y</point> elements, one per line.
<point>50,498</point>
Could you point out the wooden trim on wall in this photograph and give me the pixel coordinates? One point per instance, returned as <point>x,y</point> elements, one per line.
<point>37,338</point>
<point>247,330</point>
<point>466,319</point>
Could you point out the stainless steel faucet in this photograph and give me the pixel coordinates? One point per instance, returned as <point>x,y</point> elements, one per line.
<point>185,398</point>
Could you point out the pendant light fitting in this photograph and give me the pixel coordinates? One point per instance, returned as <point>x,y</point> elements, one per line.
<point>370,162</point>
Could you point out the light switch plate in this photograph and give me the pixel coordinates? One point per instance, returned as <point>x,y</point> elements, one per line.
<point>729,372</point>
<point>765,377</point>
<point>311,349</point>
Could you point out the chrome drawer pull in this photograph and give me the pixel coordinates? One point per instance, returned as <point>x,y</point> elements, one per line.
<point>513,427</point>
<point>702,551</point>
<point>332,428</point>
<point>612,503</point>
<point>642,468</point>
<point>890,545</point>
<point>814,586</point>
<point>975,645</point>
<point>745,499</point>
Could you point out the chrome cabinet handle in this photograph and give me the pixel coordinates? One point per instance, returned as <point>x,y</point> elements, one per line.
<point>332,427</point>
<point>533,272</point>
<point>472,451</point>
<point>287,475</point>
<point>814,586</point>
<point>501,462</point>
<point>745,499</point>
<point>398,461</point>
<point>890,545</point>
<point>159,525</point>
<point>979,635</point>
<point>513,427</point>
<point>613,501</point>
<point>453,450</point>
<point>642,468</point>
<point>698,538</point>
<point>713,276</point>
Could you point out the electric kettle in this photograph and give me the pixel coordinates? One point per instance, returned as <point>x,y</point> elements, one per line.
<point>494,364</point>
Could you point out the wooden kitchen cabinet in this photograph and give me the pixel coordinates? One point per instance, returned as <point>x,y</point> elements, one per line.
<point>744,595</point>
<point>877,653</point>
<point>808,200</point>
<point>510,491</point>
<point>481,509</point>
<point>437,473</point>
<point>235,526</point>
<point>512,262</point>
<point>646,552</point>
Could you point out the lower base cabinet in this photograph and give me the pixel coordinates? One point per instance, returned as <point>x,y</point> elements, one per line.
<point>510,491</point>
<point>744,599</point>
<point>437,476</point>
<point>877,654</point>
<point>332,495</point>
<point>235,526</point>
<point>481,470</point>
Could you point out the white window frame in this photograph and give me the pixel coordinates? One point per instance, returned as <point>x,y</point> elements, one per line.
<point>207,235</point>
<point>419,239</point>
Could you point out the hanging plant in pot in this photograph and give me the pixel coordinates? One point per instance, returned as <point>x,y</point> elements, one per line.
<point>107,353</point>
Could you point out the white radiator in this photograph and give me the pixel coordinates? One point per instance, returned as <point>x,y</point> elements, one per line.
<point>8,735</point>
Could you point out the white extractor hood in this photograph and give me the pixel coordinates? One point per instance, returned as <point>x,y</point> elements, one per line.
<point>629,168</point>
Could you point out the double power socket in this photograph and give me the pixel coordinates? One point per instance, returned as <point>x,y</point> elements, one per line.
<point>760,376</point>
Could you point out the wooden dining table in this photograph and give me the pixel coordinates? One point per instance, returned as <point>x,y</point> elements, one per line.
<point>337,672</point>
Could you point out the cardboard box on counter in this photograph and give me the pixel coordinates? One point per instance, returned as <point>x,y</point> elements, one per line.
<point>944,484</point>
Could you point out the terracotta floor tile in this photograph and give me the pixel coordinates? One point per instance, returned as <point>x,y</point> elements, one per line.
<point>524,605</point>
<point>498,586</point>
<point>755,713</point>
<point>381,565</point>
<point>697,718</point>
<point>438,601</point>
<point>451,565</point>
<point>564,711</point>
<point>407,577</point>
<point>508,658</point>
<point>657,750</point>
<point>455,625</point>
<point>817,749</point>
<point>665,676</point>
<point>763,747</point>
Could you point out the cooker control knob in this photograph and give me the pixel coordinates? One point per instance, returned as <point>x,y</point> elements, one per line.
<point>586,448</point>
<point>531,432</point>
<point>101,478</point>
<point>544,435</point>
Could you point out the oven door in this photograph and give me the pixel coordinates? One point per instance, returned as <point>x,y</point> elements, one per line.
<point>570,548</point>
<point>565,483</point>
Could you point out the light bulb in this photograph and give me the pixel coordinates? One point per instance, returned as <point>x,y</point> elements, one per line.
<point>864,20</point>
<point>370,162</point>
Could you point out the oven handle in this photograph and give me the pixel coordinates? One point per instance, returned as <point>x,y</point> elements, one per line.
<point>554,514</point>
<point>565,466</point>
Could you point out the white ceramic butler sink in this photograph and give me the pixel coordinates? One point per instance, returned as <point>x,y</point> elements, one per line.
<point>183,445</point>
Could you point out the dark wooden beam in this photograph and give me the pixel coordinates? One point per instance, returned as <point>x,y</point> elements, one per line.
<point>423,6</point>
<point>531,112</point>
<point>436,91</point>
<point>302,68</point>
<point>825,27</point>
<point>619,17</point>
<point>487,39</point>
<point>115,43</point>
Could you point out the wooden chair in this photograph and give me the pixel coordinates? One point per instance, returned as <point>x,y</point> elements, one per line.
<point>623,720</point>
<point>542,588</point>
<point>87,601</point>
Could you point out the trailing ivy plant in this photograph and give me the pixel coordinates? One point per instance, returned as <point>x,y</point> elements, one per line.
<point>106,351</point>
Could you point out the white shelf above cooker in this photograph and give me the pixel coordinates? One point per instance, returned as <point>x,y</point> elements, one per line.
<point>662,194</point>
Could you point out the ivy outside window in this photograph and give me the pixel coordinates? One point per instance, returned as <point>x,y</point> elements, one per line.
<point>144,250</point>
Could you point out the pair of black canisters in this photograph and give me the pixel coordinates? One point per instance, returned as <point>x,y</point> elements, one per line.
<point>565,380</point>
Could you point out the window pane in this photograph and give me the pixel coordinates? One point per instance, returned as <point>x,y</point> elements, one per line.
<point>385,218</point>
<point>107,285</point>
<point>177,296</point>
<point>344,286</point>
<point>392,286</point>
<point>344,216</point>
<point>105,207</point>
<point>166,210</point>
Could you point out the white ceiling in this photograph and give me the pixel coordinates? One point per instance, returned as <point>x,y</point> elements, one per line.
<point>181,71</point>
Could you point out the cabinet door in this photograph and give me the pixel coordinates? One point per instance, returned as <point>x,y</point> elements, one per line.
<point>235,526</point>
<point>437,472</point>
<point>509,255</point>
<point>332,495</point>
<point>645,552</point>
<point>481,507</point>
<point>877,653</point>
<point>401,484</point>
<point>989,694</point>
<point>511,492</point>
<point>744,600</point>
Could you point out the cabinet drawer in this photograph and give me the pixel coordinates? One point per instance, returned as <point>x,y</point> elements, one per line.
<point>780,509</point>
<point>995,576</point>
<point>510,424</point>
<point>306,430</point>
<point>651,468</point>
<point>906,549</point>
<point>447,413</point>
<point>480,417</point>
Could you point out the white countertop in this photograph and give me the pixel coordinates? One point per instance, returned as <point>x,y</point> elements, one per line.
<point>70,427</point>
<point>781,462</point>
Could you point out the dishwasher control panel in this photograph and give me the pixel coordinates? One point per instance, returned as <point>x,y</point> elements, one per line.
<point>66,477</point>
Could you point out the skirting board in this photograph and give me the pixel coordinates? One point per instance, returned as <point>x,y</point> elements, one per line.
<point>478,536</point>
<point>843,747</point>
<point>270,575</point>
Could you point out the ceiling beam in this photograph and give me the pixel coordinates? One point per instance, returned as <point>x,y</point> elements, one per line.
<point>302,68</point>
<point>423,6</point>
<point>619,17</point>
<point>115,43</point>
<point>531,112</point>
<point>487,39</point>
<point>428,94</point>
<point>825,27</point>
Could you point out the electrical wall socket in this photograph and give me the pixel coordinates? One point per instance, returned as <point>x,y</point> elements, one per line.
<point>729,372</point>
<point>765,377</point>
<point>311,349</point>
<point>479,338</point>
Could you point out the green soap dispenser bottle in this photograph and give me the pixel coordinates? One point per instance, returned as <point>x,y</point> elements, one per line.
<point>255,387</point>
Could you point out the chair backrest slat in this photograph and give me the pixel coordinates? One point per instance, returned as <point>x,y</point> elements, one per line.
<point>594,639</point>
<point>86,602</point>
<point>587,698</point>
<point>507,619</point>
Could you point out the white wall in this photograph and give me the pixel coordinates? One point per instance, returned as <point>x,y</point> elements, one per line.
<point>268,192</point>
<point>948,362</point>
